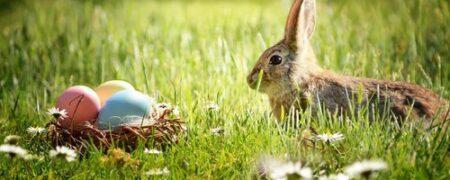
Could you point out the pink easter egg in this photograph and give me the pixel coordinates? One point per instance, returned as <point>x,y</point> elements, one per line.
<point>82,105</point>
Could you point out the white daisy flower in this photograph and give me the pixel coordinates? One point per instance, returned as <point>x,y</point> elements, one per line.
<point>291,169</point>
<point>63,152</point>
<point>217,131</point>
<point>57,113</point>
<point>157,172</point>
<point>12,139</point>
<point>329,138</point>
<point>13,151</point>
<point>36,130</point>
<point>213,106</point>
<point>176,112</point>
<point>365,168</point>
<point>275,169</point>
<point>339,176</point>
<point>162,107</point>
<point>33,157</point>
<point>152,151</point>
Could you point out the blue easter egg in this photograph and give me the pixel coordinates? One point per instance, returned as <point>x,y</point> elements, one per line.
<point>127,107</point>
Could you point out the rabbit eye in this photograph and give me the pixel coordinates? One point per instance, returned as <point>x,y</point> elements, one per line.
<point>275,60</point>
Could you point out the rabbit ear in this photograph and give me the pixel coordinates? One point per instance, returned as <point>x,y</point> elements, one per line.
<point>300,23</point>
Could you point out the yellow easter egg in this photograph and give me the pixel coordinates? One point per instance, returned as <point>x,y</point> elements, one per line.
<point>107,89</point>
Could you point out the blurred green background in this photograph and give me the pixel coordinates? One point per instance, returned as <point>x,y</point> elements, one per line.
<point>192,52</point>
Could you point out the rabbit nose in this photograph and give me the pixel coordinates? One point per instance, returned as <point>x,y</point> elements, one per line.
<point>252,76</point>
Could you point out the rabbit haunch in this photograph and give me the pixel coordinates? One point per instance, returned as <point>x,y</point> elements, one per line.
<point>342,94</point>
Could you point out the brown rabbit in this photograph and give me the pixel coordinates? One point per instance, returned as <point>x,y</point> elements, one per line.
<point>289,74</point>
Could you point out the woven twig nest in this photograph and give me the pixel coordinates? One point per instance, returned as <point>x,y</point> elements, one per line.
<point>161,132</point>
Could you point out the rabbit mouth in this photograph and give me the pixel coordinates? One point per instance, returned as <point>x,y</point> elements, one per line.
<point>255,83</point>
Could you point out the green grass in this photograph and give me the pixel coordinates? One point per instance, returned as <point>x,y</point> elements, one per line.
<point>191,53</point>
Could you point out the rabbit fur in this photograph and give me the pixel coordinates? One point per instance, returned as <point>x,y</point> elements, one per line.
<point>289,74</point>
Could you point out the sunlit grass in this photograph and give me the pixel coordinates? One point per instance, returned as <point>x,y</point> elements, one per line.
<point>193,53</point>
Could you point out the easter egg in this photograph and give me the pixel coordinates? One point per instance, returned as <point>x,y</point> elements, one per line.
<point>81,104</point>
<point>127,107</point>
<point>107,89</point>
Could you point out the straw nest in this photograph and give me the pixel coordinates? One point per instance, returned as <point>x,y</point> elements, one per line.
<point>161,132</point>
